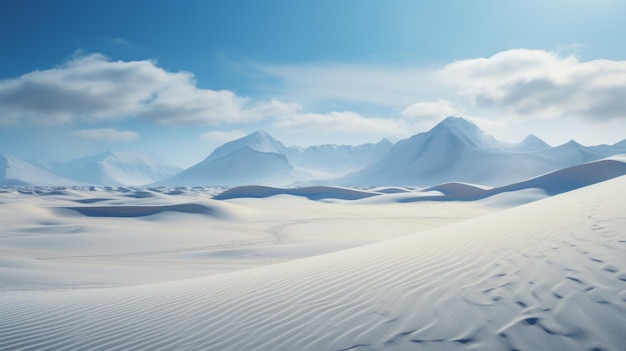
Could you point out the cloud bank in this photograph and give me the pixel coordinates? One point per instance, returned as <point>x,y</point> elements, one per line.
<point>94,88</point>
<point>539,84</point>
<point>514,85</point>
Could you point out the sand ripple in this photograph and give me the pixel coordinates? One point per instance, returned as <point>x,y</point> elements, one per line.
<point>550,275</point>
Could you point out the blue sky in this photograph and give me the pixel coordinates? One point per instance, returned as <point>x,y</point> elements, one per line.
<point>179,78</point>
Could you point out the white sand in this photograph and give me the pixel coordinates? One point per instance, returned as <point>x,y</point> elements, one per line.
<point>113,238</point>
<point>543,276</point>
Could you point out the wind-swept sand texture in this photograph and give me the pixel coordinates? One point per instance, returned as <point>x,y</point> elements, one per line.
<point>549,275</point>
<point>94,237</point>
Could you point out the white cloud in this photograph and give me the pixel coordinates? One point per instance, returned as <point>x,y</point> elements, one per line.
<point>509,88</point>
<point>94,88</point>
<point>538,84</point>
<point>432,110</point>
<point>513,84</point>
<point>106,134</point>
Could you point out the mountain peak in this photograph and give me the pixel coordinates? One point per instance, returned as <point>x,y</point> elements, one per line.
<point>259,141</point>
<point>573,143</point>
<point>531,143</point>
<point>454,121</point>
<point>260,134</point>
<point>465,131</point>
<point>455,124</point>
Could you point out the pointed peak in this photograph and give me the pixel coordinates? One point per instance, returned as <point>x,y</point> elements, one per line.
<point>531,137</point>
<point>464,131</point>
<point>455,121</point>
<point>456,125</point>
<point>572,142</point>
<point>259,141</point>
<point>260,133</point>
<point>532,143</point>
<point>388,141</point>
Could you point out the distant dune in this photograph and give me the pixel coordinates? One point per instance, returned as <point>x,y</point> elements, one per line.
<point>312,192</point>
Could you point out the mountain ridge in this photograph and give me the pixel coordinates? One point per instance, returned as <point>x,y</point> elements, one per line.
<point>454,150</point>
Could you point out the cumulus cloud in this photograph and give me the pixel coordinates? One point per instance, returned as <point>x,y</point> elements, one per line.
<point>540,84</point>
<point>106,134</point>
<point>521,84</point>
<point>518,83</point>
<point>432,110</point>
<point>95,88</point>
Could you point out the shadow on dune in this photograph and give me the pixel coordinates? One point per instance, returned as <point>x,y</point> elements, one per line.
<point>311,193</point>
<point>142,211</point>
<point>553,183</point>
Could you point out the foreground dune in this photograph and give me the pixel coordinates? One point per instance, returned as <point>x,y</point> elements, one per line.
<point>549,275</point>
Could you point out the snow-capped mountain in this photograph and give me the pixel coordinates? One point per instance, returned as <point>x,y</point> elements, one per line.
<point>258,141</point>
<point>16,172</point>
<point>258,158</point>
<point>571,153</point>
<point>454,150</point>
<point>122,168</point>
<point>338,159</point>
<point>617,148</point>
<point>254,159</point>
<point>531,144</point>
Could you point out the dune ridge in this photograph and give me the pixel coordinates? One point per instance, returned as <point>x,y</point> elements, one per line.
<point>552,183</point>
<point>543,276</point>
<point>311,192</point>
<point>142,211</point>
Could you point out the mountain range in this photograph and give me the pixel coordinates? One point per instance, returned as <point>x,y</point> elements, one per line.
<point>258,158</point>
<point>455,150</point>
<point>121,168</point>
<point>124,168</point>
<point>15,172</point>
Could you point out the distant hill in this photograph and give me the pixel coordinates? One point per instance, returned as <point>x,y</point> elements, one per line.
<point>16,172</point>
<point>254,159</point>
<point>125,168</point>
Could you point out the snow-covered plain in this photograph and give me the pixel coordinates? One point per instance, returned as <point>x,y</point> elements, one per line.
<point>316,269</point>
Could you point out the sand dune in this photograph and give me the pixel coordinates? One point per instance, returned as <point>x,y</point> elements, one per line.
<point>110,236</point>
<point>552,183</point>
<point>549,184</point>
<point>142,211</point>
<point>311,192</point>
<point>543,276</point>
